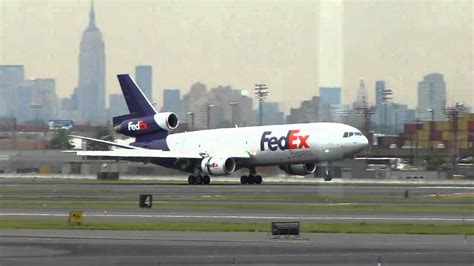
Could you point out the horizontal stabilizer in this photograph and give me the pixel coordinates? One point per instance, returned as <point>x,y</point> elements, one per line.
<point>111,143</point>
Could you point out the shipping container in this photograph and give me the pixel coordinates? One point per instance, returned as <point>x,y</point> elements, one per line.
<point>462,135</point>
<point>462,125</point>
<point>469,116</point>
<point>446,135</point>
<point>463,145</point>
<point>443,125</point>
<point>409,128</point>
<point>470,137</point>
<point>423,135</point>
<point>470,126</point>
<point>436,135</point>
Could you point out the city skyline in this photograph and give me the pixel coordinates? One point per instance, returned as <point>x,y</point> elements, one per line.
<point>246,52</point>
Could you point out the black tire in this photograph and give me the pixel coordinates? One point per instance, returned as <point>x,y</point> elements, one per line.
<point>206,180</point>
<point>198,180</point>
<point>243,180</point>
<point>327,178</point>
<point>258,179</point>
<point>251,179</point>
<point>192,180</point>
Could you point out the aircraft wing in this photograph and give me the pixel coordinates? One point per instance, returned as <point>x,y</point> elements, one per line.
<point>131,152</point>
<point>148,153</point>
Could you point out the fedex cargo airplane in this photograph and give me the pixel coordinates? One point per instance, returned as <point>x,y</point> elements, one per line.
<point>296,148</point>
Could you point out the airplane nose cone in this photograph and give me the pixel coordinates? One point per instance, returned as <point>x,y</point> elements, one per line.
<point>365,142</point>
<point>362,144</point>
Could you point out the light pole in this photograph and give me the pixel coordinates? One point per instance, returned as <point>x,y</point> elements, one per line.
<point>454,113</point>
<point>432,111</point>
<point>261,90</point>
<point>209,106</point>
<point>192,121</point>
<point>386,96</point>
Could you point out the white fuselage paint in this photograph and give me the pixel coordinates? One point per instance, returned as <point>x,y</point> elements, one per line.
<point>315,142</point>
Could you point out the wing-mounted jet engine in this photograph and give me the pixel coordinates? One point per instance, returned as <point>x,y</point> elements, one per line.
<point>299,169</point>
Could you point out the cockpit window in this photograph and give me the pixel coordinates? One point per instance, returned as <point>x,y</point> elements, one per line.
<point>358,134</point>
<point>346,134</point>
<point>350,134</point>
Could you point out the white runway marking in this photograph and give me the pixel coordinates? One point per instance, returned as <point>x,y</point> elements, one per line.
<point>249,217</point>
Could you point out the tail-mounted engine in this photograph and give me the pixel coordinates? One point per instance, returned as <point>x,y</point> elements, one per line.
<point>140,126</point>
<point>218,166</point>
<point>299,169</point>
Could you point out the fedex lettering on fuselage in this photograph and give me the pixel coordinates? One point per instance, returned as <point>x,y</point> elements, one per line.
<point>293,140</point>
<point>140,124</point>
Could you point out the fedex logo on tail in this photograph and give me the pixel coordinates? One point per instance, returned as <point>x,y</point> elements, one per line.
<point>140,124</point>
<point>293,140</point>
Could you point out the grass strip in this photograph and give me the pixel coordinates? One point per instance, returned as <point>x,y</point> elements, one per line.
<point>216,198</point>
<point>243,227</point>
<point>245,206</point>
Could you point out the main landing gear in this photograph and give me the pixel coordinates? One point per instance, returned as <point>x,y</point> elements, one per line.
<point>199,179</point>
<point>251,179</point>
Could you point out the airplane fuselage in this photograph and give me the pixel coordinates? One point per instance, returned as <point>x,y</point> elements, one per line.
<point>271,145</point>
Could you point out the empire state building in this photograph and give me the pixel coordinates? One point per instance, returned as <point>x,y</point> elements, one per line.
<point>91,87</point>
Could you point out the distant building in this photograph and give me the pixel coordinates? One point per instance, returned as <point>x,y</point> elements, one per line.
<point>361,99</point>
<point>144,79</point>
<point>44,96</point>
<point>330,101</point>
<point>11,76</point>
<point>91,87</point>
<point>117,105</point>
<point>228,106</point>
<point>432,95</point>
<point>330,95</point>
<point>24,98</point>
<point>307,112</point>
<point>172,102</point>
<point>379,88</point>
<point>271,114</point>
<point>71,103</point>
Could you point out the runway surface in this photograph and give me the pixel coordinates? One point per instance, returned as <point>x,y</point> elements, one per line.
<point>186,200</point>
<point>307,203</point>
<point>58,247</point>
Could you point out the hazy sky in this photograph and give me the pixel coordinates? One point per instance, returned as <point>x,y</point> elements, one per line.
<point>240,43</point>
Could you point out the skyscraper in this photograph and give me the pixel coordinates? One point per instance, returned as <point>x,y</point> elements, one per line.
<point>44,95</point>
<point>330,95</point>
<point>91,87</point>
<point>172,102</point>
<point>330,101</point>
<point>10,77</point>
<point>144,78</point>
<point>432,95</point>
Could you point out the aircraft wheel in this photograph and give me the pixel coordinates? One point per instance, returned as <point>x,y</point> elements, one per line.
<point>243,180</point>
<point>251,179</point>
<point>327,178</point>
<point>206,180</point>
<point>198,180</point>
<point>192,180</point>
<point>258,179</point>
